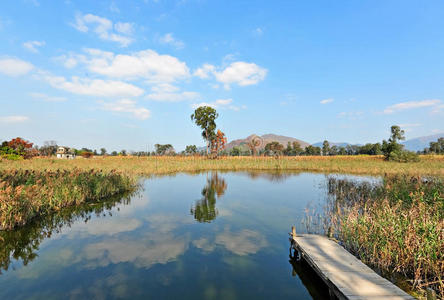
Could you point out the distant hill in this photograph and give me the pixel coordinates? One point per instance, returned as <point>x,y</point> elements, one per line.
<point>419,143</point>
<point>267,138</point>
<point>319,144</point>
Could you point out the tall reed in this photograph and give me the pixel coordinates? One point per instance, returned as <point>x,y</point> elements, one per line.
<point>25,194</point>
<point>396,226</point>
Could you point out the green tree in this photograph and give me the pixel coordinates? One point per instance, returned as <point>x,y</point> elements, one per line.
<point>325,147</point>
<point>190,149</point>
<point>205,117</point>
<point>163,149</point>
<point>205,209</point>
<point>274,148</point>
<point>235,151</point>
<point>102,151</point>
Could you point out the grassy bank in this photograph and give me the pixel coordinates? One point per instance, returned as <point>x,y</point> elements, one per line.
<point>397,226</point>
<point>25,194</point>
<point>430,165</point>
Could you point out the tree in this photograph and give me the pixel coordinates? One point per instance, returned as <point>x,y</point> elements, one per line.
<point>393,150</point>
<point>123,152</point>
<point>205,117</point>
<point>297,149</point>
<point>254,143</point>
<point>437,147</point>
<point>205,208</point>
<point>325,147</point>
<point>218,142</point>
<point>102,151</point>
<point>163,149</point>
<point>274,148</point>
<point>114,153</point>
<point>49,148</point>
<point>392,145</point>
<point>191,149</point>
<point>312,150</point>
<point>235,151</point>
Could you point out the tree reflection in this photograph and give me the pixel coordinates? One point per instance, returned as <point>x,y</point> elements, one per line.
<point>23,243</point>
<point>204,209</point>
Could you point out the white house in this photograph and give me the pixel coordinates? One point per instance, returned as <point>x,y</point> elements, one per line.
<point>65,152</point>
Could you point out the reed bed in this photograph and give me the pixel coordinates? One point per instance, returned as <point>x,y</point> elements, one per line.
<point>25,194</point>
<point>146,166</point>
<point>397,226</point>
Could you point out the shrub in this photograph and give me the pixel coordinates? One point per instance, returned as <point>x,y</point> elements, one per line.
<point>403,156</point>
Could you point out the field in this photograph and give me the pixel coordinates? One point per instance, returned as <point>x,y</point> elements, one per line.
<point>146,166</point>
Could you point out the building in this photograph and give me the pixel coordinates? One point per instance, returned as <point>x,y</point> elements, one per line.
<point>65,152</point>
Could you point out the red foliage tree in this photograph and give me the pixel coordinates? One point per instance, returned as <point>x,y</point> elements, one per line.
<point>19,144</point>
<point>218,142</point>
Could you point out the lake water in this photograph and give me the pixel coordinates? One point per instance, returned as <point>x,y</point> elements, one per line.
<point>206,236</point>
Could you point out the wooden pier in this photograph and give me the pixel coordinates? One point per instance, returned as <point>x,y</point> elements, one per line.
<point>345,275</point>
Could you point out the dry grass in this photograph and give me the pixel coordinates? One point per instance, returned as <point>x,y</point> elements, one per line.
<point>372,165</point>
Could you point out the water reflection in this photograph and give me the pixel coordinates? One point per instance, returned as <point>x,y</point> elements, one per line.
<point>23,244</point>
<point>204,209</point>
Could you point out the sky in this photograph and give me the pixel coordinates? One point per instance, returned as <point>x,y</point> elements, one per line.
<point>128,74</point>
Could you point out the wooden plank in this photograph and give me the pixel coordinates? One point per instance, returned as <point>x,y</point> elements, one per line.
<point>346,275</point>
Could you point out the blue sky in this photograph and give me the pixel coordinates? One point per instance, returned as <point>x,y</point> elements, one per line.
<point>128,74</point>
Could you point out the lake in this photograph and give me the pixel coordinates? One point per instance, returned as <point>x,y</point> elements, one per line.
<point>185,236</point>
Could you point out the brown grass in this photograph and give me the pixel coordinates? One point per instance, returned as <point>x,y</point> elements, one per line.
<point>372,165</point>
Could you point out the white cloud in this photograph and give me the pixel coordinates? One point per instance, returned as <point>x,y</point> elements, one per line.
<point>240,73</point>
<point>104,28</point>
<point>169,39</point>
<point>47,98</point>
<point>33,45</point>
<point>411,105</point>
<point>127,106</point>
<point>167,92</point>
<point>353,115</point>
<point>147,64</point>
<point>124,28</point>
<point>220,103</point>
<point>94,87</point>
<point>325,101</point>
<point>173,97</point>
<point>14,66</point>
<point>204,71</point>
<point>13,119</point>
<point>258,32</point>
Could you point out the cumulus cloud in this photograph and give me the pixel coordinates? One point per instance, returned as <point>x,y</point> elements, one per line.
<point>47,98</point>
<point>240,73</point>
<point>13,119</point>
<point>205,71</point>
<point>220,103</point>
<point>169,93</point>
<point>14,67</point>
<point>411,105</point>
<point>105,29</point>
<point>33,45</point>
<point>242,243</point>
<point>169,39</point>
<point>146,64</point>
<point>326,101</point>
<point>93,87</point>
<point>127,106</point>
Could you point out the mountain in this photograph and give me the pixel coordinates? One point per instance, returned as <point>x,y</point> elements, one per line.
<point>419,143</point>
<point>319,144</point>
<point>266,138</point>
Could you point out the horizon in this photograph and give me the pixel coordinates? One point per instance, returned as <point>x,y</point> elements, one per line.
<point>124,76</point>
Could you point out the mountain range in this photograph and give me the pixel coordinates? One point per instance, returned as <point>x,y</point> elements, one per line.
<point>416,144</point>
<point>266,138</point>
<point>419,143</point>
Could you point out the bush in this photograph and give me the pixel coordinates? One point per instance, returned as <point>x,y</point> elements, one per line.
<point>403,156</point>
<point>12,156</point>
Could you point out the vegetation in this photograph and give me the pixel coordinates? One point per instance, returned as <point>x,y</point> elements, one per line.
<point>205,117</point>
<point>435,147</point>
<point>394,151</point>
<point>396,226</point>
<point>133,165</point>
<point>25,194</point>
